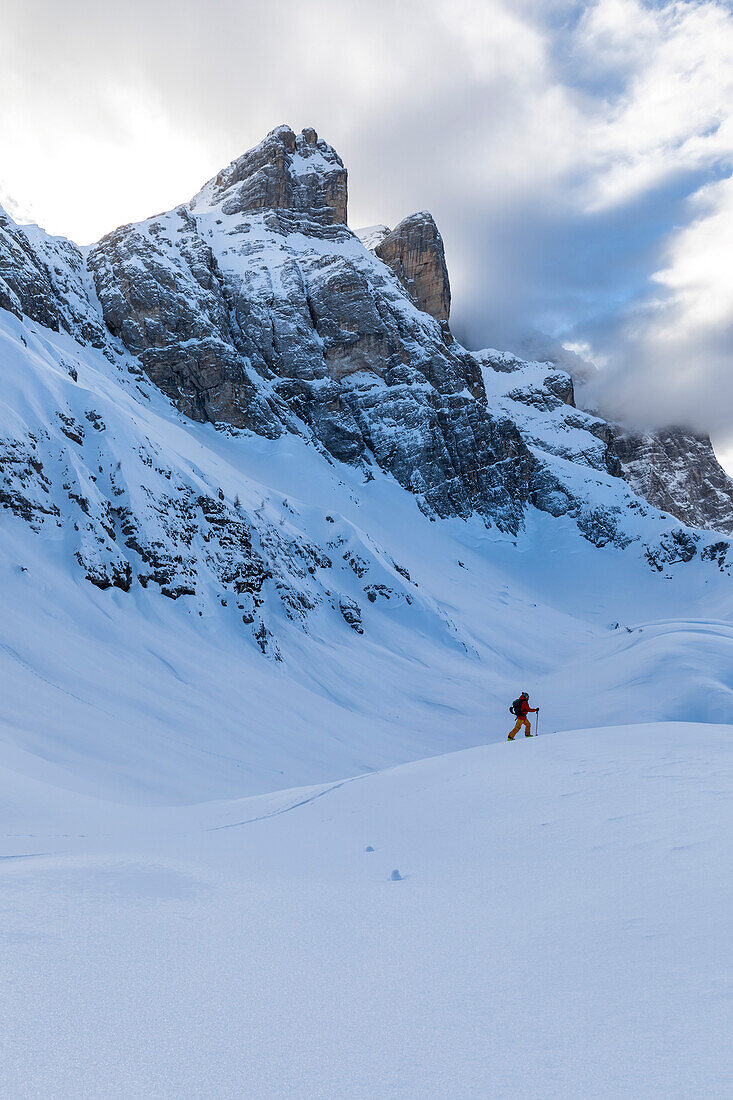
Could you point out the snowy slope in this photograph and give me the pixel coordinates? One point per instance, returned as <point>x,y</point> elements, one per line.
<point>561,929</point>
<point>149,697</point>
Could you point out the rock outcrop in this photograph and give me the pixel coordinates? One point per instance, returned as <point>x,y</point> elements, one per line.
<point>677,471</point>
<point>25,282</point>
<point>45,278</point>
<point>414,251</point>
<point>286,171</point>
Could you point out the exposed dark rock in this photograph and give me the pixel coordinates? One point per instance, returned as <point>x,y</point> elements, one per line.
<point>352,614</point>
<point>25,282</point>
<point>286,172</point>
<point>674,548</point>
<point>677,471</point>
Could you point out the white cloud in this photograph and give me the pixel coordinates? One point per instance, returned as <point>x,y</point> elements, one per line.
<point>98,91</point>
<point>614,38</point>
<point>673,113</point>
<point>699,272</point>
<point>674,363</point>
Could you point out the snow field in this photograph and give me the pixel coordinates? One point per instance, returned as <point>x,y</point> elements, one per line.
<point>562,928</point>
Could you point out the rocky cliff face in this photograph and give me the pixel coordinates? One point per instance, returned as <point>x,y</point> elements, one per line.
<point>25,282</point>
<point>46,279</point>
<point>677,471</point>
<point>672,468</point>
<point>271,317</point>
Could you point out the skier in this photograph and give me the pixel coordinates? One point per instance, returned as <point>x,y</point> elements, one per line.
<point>521,708</point>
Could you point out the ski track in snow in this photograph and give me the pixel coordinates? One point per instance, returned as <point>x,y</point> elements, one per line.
<point>289,808</point>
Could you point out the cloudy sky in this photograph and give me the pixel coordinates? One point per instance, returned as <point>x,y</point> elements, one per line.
<point>578,156</point>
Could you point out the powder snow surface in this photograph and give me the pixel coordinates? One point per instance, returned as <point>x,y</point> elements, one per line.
<point>561,927</point>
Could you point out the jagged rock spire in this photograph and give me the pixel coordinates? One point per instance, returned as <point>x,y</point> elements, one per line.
<point>414,250</point>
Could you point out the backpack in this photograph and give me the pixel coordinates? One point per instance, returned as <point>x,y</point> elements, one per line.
<point>516,708</point>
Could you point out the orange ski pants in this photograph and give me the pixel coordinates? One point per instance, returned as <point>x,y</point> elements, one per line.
<point>521,722</point>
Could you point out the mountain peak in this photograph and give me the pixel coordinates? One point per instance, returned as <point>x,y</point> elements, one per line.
<point>286,171</point>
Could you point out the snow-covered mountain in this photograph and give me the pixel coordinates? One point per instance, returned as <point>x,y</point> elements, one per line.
<point>233,430</point>
<point>255,307</point>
